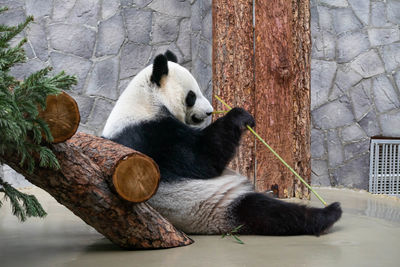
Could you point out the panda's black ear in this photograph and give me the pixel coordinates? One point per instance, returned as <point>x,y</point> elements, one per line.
<point>171,56</point>
<point>160,68</point>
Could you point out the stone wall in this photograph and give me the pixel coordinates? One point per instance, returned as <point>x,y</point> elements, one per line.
<point>355,81</point>
<point>105,43</point>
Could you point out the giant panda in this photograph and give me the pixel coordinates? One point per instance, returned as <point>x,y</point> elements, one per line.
<point>162,113</point>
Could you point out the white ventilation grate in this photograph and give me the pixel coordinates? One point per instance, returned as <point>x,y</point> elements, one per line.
<point>384,171</point>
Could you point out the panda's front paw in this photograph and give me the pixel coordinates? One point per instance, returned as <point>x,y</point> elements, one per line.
<point>240,118</point>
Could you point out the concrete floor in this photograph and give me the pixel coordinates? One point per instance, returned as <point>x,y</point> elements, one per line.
<point>367,235</point>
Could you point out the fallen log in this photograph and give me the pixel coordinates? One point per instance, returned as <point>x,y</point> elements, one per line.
<point>81,186</point>
<point>62,116</point>
<point>134,176</point>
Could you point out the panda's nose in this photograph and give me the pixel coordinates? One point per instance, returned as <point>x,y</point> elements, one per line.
<point>208,113</point>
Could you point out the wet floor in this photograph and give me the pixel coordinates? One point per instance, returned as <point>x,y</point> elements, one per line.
<point>367,235</point>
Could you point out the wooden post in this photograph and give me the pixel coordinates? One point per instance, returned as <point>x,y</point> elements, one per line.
<point>279,100</point>
<point>233,68</point>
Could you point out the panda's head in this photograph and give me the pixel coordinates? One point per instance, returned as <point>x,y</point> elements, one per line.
<point>178,91</point>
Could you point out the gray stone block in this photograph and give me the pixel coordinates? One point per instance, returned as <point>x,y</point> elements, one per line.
<point>204,51</point>
<point>368,64</point>
<point>318,149</point>
<point>104,79</point>
<point>361,9</point>
<point>325,19</point>
<point>206,28</point>
<point>351,45</point>
<point>62,8</point>
<point>74,39</point>
<point>138,25</point>
<point>37,37</point>
<point>354,174</point>
<point>353,133</point>
<point>174,8</point>
<point>334,114</point>
<point>184,37</point>
<point>12,4</point>
<point>391,56</point>
<point>335,149</point>
<point>109,8</point>
<point>320,176</point>
<point>335,3</point>
<point>393,11</point>
<point>354,150</point>
<point>324,45</point>
<point>14,178</point>
<point>12,17</point>
<point>361,98</point>
<point>111,35</point>
<point>385,95</point>
<point>378,14</point>
<point>101,110</point>
<point>390,123</point>
<point>85,105</point>
<point>136,3</point>
<point>72,65</point>
<point>202,73</point>
<point>370,124</point>
<point>345,20</point>
<point>134,57</point>
<point>383,36</point>
<point>322,74</point>
<point>196,19</point>
<point>84,12</point>
<point>397,79</point>
<point>164,29</point>
<point>23,70</point>
<point>122,84</point>
<point>345,78</point>
<point>38,8</point>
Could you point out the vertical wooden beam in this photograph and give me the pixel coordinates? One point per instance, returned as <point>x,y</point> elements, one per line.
<point>233,67</point>
<point>282,73</point>
<point>269,75</point>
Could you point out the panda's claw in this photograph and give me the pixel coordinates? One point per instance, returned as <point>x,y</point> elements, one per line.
<point>241,118</point>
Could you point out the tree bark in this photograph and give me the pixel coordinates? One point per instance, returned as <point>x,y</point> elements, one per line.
<point>282,52</point>
<point>81,186</point>
<point>272,82</point>
<point>133,175</point>
<point>233,68</point>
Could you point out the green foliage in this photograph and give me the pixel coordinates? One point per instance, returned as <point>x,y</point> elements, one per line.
<point>20,127</point>
<point>234,234</point>
<point>23,205</point>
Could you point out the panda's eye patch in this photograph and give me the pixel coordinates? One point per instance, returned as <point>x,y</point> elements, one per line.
<point>190,99</point>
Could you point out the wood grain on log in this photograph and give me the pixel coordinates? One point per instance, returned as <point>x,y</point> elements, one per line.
<point>134,176</point>
<point>233,68</point>
<point>62,116</point>
<point>81,186</point>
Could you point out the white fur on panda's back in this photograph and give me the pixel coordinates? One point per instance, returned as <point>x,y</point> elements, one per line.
<point>200,206</point>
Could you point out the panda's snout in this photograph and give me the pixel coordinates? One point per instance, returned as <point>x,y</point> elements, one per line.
<point>196,120</point>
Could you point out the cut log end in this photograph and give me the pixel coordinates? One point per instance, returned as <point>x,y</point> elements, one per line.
<point>62,116</point>
<point>136,178</point>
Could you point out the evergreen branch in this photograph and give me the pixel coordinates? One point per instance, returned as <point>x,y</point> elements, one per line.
<point>2,9</point>
<point>14,31</point>
<point>10,57</point>
<point>30,205</point>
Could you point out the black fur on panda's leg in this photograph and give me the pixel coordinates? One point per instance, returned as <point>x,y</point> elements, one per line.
<point>263,215</point>
<point>223,136</point>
